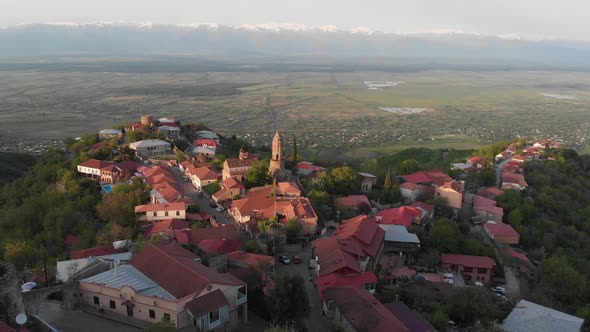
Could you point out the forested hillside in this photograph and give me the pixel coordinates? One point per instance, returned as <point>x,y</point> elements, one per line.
<point>553,220</point>
<point>14,165</point>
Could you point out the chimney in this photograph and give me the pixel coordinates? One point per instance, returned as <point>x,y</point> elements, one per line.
<point>116,268</point>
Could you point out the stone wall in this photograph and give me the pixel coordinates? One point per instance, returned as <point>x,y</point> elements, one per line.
<point>11,302</point>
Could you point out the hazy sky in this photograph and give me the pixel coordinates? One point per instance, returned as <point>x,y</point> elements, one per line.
<point>528,18</point>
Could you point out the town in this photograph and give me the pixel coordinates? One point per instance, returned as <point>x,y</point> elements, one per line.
<point>202,232</point>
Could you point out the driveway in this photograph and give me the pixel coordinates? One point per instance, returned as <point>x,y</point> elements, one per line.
<point>74,321</point>
<point>315,322</point>
<point>203,202</point>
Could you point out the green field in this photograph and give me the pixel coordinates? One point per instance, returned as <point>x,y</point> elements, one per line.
<point>332,114</point>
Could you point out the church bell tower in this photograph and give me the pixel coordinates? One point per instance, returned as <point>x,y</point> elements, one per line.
<point>277,163</point>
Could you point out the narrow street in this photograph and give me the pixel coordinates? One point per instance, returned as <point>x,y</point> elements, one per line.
<point>498,170</point>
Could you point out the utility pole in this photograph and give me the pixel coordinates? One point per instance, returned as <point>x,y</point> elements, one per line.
<point>44,265</point>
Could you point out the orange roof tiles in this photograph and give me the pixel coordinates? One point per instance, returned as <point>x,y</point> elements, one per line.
<point>161,207</point>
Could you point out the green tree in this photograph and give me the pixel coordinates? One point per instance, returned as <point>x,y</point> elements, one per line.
<point>258,174</point>
<point>288,301</point>
<point>294,156</point>
<point>212,188</point>
<point>217,163</point>
<point>444,235</point>
<point>345,180</point>
<point>252,246</point>
<point>409,166</point>
<point>180,156</point>
<point>21,253</point>
<point>388,182</point>
<point>558,279</point>
<point>470,304</point>
<point>112,233</point>
<point>117,208</point>
<point>294,228</point>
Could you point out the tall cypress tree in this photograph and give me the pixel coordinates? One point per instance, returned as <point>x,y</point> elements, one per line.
<point>294,151</point>
<point>388,182</point>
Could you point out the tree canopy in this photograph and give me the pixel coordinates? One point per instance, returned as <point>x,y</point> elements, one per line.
<point>288,301</point>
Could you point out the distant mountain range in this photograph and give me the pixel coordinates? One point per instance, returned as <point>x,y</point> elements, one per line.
<point>123,39</point>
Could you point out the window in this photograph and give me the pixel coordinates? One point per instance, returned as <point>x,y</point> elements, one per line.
<point>467,269</point>
<point>166,317</point>
<point>177,213</point>
<point>166,213</point>
<point>96,300</point>
<point>153,314</point>
<point>213,316</point>
<point>482,271</point>
<point>112,304</point>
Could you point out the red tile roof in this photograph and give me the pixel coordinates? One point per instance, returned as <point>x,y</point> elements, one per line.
<point>230,183</point>
<point>161,207</point>
<point>176,270</point>
<point>237,162</point>
<point>363,311</point>
<point>437,177</point>
<point>96,164</point>
<point>169,191</point>
<point>304,165</point>
<point>486,204</point>
<point>514,178</point>
<point>362,233</point>
<point>490,192</point>
<point>476,160</point>
<point>332,258</point>
<point>205,142</point>
<point>203,173</point>
<point>288,188</point>
<point>207,303</point>
<point>249,259</point>
<point>418,177</point>
<point>467,260</point>
<point>410,318</point>
<point>501,230</point>
<point>409,186</point>
<point>168,225</point>
<point>94,252</point>
<point>518,255</point>
<point>357,280</point>
<point>215,246</point>
<point>424,206</point>
<point>208,233</point>
<point>403,215</point>
<point>352,201</point>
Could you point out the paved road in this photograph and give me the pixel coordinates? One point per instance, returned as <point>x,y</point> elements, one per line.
<point>192,193</point>
<point>78,321</point>
<point>315,322</point>
<point>498,170</point>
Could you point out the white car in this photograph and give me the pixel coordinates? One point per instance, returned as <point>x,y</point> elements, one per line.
<point>219,209</point>
<point>478,284</point>
<point>499,290</point>
<point>448,275</point>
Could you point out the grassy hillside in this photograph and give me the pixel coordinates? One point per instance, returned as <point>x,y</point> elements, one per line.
<point>14,165</point>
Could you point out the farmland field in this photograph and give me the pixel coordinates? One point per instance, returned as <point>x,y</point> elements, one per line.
<point>332,113</point>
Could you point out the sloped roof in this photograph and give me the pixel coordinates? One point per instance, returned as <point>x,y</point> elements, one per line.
<point>128,275</point>
<point>352,201</point>
<point>220,246</point>
<point>308,166</point>
<point>208,233</point>
<point>170,192</point>
<point>204,173</point>
<point>500,229</point>
<point>468,260</point>
<point>531,317</point>
<point>360,234</point>
<point>490,192</point>
<point>230,183</point>
<point>206,303</point>
<point>237,162</point>
<point>161,207</point>
<point>410,318</point>
<point>424,206</point>
<point>333,258</point>
<point>249,259</point>
<point>398,233</point>
<point>409,186</point>
<point>357,280</point>
<point>518,255</point>
<point>205,141</point>
<point>288,188</point>
<point>363,311</point>
<point>176,270</point>
<point>168,225</point>
<point>403,215</point>
<point>436,177</point>
<point>96,251</point>
<point>148,143</point>
<point>96,164</point>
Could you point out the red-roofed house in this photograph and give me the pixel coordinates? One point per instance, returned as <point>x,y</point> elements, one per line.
<point>204,142</point>
<point>502,233</point>
<point>356,245</point>
<point>452,194</point>
<point>167,282</point>
<point>165,192</point>
<point>437,178</point>
<point>352,201</point>
<point>427,210</point>
<point>359,311</point>
<point>230,188</point>
<point>202,176</point>
<point>91,168</point>
<point>166,227</point>
<point>197,235</point>
<point>306,168</point>
<point>403,215</point>
<point>92,252</point>
<point>477,161</point>
<point>486,209</point>
<point>412,192</point>
<point>521,262</point>
<point>221,246</point>
<point>363,280</point>
<point>513,181</point>
<point>490,192</point>
<point>150,213</point>
<point>473,268</point>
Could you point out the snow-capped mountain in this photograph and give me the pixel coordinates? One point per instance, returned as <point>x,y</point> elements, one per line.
<point>125,38</point>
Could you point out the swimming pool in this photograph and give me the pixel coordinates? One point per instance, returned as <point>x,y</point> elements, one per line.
<point>107,188</point>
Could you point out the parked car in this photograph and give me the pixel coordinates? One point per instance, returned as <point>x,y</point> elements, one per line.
<point>284,259</point>
<point>185,178</point>
<point>499,290</point>
<point>478,284</point>
<point>501,296</point>
<point>219,209</point>
<point>296,259</point>
<point>448,275</point>
<point>200,194</point>
<point>453,325</point>
<point>212,204</point>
